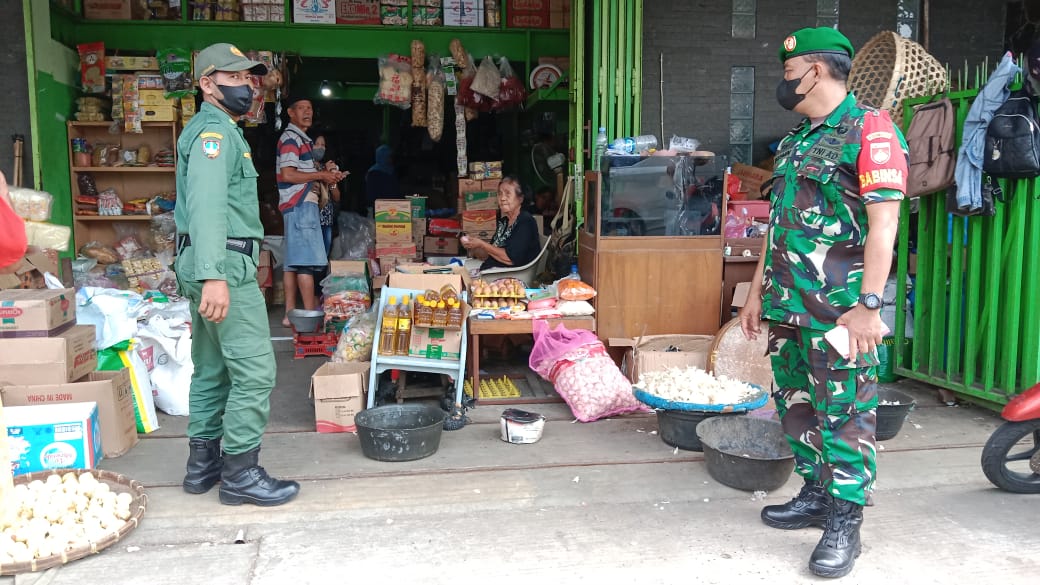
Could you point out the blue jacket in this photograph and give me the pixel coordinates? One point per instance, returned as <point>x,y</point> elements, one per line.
<point>968,174</point>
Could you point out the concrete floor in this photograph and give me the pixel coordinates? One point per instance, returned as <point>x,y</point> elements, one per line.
<point>605,502</point>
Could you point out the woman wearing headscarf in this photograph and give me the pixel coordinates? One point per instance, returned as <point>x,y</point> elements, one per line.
<point>380,180</point>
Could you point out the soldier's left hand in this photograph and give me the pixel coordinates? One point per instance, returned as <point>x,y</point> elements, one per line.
<point>215,300</point>
<point>864,327</point>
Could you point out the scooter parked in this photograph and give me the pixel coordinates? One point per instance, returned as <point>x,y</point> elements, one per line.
<point>1011,457</point>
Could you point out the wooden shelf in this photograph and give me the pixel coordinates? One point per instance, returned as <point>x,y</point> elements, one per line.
<point>124,169</point>
<point>113,217</point>
<point>108,123</point>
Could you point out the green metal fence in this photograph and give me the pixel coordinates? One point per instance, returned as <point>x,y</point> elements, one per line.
<point>976,311</point>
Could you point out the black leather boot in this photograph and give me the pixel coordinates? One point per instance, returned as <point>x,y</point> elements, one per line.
<point>204,465</point>
<point>836,553</point>
<point>244,481</point>
<point>809,508</point>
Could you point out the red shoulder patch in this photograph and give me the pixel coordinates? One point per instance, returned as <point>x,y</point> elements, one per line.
<point>881,163</point>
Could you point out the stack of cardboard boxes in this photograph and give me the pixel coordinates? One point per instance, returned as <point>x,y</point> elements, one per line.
<point>60,412</point>
<point>479,200</point>
<point>394,238</point>
<point>538,14</point>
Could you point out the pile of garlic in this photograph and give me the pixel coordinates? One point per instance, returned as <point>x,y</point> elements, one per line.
<point>695,386</point>
<point>62,513</point>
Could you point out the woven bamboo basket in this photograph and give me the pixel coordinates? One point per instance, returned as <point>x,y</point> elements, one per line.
<point>118,483</point>
<point>890,69</point>
<point>738,358</point>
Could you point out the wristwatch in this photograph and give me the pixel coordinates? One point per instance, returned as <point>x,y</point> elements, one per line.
<point>871,301</point>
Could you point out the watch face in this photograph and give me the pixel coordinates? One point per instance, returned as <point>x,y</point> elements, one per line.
<point>871,301</point>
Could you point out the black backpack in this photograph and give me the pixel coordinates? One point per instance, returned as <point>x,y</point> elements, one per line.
<point>1012,148</point>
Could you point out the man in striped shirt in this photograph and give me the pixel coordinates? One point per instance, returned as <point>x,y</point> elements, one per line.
<point>298,178</point>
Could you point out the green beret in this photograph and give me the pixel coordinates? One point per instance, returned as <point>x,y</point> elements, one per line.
<point>822,39</point>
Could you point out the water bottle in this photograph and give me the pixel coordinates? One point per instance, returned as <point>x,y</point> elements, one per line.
<point>635,144</point>
<point>600,149</point>
<point>574,273</point>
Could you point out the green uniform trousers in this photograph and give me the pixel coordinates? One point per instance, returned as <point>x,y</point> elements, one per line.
<point>828,410</point>
<point>234,361</point>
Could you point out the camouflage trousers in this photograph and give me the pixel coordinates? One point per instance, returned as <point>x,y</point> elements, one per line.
<point>828,409</point>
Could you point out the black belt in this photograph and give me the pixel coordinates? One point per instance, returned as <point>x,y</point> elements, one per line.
<point>240,245</point>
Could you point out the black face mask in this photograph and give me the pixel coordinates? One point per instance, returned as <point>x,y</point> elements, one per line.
<point>786,92</point>
<point>238,99</point>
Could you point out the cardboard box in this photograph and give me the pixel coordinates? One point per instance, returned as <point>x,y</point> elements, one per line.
<point>418,205</point>
<point>435,344</point>
<point>400,251</point>
<point>159,113</point>
<point>463,12</point>
<point>653,353</point>
<point>339,392</point>
<point>457,277</point>
<point>751,179</point>
<point>156,97</point>
<point>470,185</point>
<point>740,294</point>
<point>63,358</point>
<point>480,201</point>
<point>418,230</point>
<point>53,436</point>
<point>357,11</point>
<point>393,211</point>
<point>314,12</point>
<point>30,273</point>
<point>527,5</point>
<point>393,233</point>
<point>36,312</point>
<point>480,216</point>
<point>106,9</point>
<point>111,390</point>
<point>6,478</point>
<point>527,19</point>
<point>433,245</point>
<point>124,63</point>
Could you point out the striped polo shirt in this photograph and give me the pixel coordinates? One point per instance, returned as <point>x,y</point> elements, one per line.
<point>294,150</point>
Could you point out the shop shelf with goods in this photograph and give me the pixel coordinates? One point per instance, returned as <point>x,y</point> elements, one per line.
<point>129,182</point>
<point>455,368</point>
<point>651,244</point>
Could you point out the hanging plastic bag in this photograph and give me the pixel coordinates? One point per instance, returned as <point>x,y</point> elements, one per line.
<point>512,93</point>
<point>175,66</point>
<point>395,81</point>
<point>488,80</point>
<point>435,100</point>
<point>165,349</point>
<point>124,355</point>
<point>472,100</point>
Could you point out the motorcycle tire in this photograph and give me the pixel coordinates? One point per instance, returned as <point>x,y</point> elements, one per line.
<point>996,451</point>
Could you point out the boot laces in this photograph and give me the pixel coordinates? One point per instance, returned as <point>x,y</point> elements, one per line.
<point>840,526</point>
<point>806,497</point>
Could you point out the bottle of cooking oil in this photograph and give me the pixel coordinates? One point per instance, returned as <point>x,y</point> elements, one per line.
<point>423,312</point>
<point>455,315</point>
<point>388,328</point>
<point>404,327</point>
<point>440,315</point>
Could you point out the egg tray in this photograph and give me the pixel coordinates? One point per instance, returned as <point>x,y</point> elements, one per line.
<point>657,402</point>
<point>118,483</point>
<point>504,388</point>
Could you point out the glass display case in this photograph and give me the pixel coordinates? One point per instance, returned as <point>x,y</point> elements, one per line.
<point>657,196</point>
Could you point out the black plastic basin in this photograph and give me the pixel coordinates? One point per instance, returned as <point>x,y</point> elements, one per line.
<point>746,453</point>
<point>400,432</point>
<point>678,428</point>
<point>890,417</point>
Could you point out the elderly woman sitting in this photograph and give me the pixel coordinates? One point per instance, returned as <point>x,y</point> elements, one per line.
<point>516,240</point>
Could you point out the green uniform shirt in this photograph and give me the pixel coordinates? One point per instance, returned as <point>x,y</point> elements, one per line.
<point>823,180</point>
<point>216,190</point>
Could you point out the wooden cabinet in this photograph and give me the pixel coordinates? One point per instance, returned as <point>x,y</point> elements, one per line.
<point>130,182</point>
<point>659,283</point>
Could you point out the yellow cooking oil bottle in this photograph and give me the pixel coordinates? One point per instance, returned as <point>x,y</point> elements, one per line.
<point>440,314</point>
<point>454,315</point>
<point>423,312</point>
<point>388,328</point>
<point>404,327</point>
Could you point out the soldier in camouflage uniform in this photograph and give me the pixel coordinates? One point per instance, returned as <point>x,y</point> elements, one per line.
<point>837,185</point>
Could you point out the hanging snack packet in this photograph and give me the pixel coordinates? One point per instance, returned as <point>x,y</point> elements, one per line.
<point>92,67</point>
<point>395,81</point>
<point>175,66</point>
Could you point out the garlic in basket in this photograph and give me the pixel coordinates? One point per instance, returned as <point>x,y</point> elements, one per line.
<point>695,386</point>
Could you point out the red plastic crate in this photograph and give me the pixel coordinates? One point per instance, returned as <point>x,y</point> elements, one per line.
<point>755,209</point>
<point>308,344</point>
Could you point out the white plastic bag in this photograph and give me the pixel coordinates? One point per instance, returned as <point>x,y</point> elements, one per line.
<point>113,313</point>
<point>165,349</point>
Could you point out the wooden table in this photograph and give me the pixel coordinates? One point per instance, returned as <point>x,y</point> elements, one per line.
<point>478,327</point>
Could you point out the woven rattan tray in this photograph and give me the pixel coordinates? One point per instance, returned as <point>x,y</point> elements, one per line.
<point>118,483</point>
<point>738,358</point>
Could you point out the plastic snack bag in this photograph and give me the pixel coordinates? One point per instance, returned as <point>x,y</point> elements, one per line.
<point>92,67</point>
<point>395,81</point>
<point>355,344</point>
<point>175,66</point>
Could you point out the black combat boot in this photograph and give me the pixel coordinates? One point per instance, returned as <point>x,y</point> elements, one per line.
<point>809,508</point>
<point>836,553</point>
<point>204,465</point>
<point>244,481</point>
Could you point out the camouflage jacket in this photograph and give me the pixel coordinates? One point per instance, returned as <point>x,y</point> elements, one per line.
<point>823,180</point>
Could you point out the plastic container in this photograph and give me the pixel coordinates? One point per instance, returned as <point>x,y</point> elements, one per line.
<point>403,335</point>
<point>520,427</point>
<point>893,408</point>
<point>678,428</point>
<point>423,313</point>
<point>304,321</point>
<point>440,315</point>
<point>634,144</point>
<point>600,149</point>
<point>400,432</point>
<point>454,316</point>
<point>746,453</point>
<point>388,328</point>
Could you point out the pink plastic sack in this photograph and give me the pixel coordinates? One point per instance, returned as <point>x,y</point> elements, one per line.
<point>577,364</point>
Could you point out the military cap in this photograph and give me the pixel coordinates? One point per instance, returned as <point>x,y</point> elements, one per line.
<point>225,57</point>
<point>822,39</point>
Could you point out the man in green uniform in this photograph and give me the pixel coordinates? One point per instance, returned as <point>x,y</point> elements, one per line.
<point>218,246</point>
<point>837,186</point>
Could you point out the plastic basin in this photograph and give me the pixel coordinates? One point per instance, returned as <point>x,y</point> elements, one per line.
<point>305,321</point>
<point>678,428</point>
<point>400,432</point>
<point>890,417</point>
<point>746,453</point>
